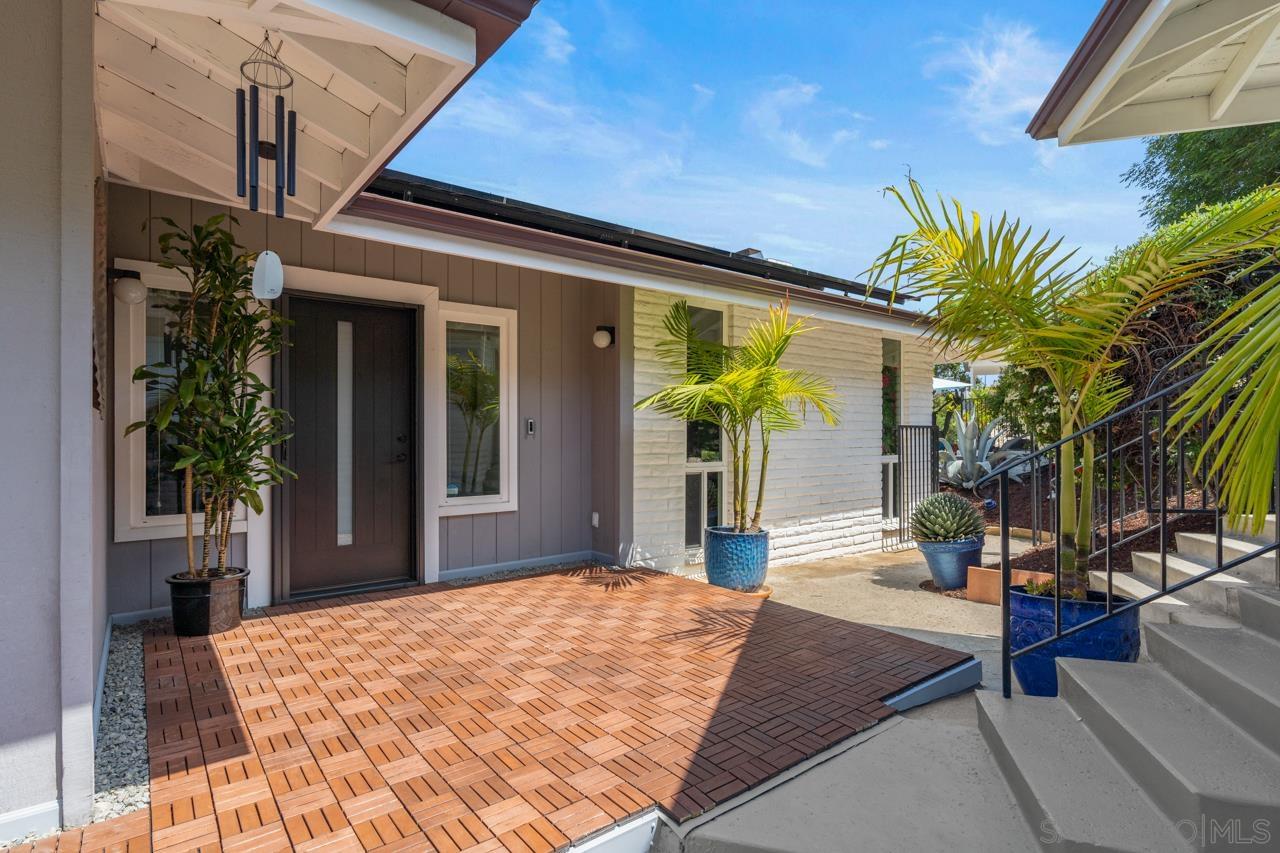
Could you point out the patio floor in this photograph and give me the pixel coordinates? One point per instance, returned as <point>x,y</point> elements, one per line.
<point>520,715</point>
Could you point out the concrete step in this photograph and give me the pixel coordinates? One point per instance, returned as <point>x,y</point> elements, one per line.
<point>1216,593</point>
<point>1200,618</point>
<point>1124,583</point>
<point>1073,795</point>
<point>1234,670</point>
<point>1245,529</point>
<point>1192,761</point>
<point>1203,548</point>
<point>1260,611</point>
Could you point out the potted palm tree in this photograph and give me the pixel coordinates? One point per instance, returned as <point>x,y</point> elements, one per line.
<point>999,288</point>
<point>210,404</point>
<point>746,392</point>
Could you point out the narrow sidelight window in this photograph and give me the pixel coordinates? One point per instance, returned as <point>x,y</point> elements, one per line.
<point>344,436</point>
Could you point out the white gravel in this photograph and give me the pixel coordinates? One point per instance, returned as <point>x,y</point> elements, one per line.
<point>120,772</point>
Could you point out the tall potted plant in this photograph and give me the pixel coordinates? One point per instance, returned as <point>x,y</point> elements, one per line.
<point>746,392</point>
<point>211,404</point>
<point>999,288</point>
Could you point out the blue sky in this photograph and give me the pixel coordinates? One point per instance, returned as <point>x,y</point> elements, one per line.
<point>776,125</point>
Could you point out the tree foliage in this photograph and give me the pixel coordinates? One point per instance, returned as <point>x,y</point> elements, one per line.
<point>1183,171</point>
<point>999,287</point>
<point>211,397</point>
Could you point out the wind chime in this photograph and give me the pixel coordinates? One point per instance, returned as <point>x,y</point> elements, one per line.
<point>263,70</point>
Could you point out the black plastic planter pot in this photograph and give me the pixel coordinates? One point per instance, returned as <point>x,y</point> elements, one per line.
<point>203,606</point>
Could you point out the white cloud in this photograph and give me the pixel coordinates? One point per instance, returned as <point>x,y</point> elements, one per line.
<point>553,38</point>
<point>998,77</point>
<point>702,96</point>
<point>796,200</point>
<point>781,115</point>
<point>878,144</point>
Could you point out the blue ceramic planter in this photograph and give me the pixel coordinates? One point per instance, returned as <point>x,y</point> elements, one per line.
<point>737,560</point>
<point>949,562</point>
<point>1031,619</point>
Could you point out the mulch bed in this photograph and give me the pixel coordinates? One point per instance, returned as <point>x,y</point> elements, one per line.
<point>1020,501</point>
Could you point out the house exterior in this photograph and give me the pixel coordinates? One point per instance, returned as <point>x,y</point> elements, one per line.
<point>127,118</point>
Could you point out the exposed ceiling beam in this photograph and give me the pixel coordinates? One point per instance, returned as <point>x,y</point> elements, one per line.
<point>154,147</point>
<point>218,51</point>
<point>410,25</point>
<point>119,96</point>
<point>121,163</point>
<point>1243,65</point>
<point>180,85</point>
<point>1250,106</point>
<point>1209,18</point>
<point>419,27</point>
<point>1138,81</point>
<point>364,67</point>
<point>428,83</point>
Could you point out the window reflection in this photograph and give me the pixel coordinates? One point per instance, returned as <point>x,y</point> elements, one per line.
<point>473,383</point>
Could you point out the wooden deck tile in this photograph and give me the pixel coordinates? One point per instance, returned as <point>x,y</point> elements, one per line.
<point>510,716</point>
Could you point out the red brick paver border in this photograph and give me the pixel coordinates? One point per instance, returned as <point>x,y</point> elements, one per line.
<point>521,715</point>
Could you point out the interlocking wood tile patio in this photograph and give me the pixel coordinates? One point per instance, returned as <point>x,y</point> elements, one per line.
<point>521,715</point>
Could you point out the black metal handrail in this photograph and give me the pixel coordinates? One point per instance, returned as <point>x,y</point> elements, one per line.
<point>1165,497</point>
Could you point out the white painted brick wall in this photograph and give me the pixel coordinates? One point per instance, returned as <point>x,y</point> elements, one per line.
<point>823,492</point>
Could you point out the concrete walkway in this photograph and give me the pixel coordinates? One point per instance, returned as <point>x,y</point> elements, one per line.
<point>883,590</point>
<point>929,767</point>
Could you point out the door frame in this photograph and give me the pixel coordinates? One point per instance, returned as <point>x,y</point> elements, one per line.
<point>281,528</point>
<point>424,300</point>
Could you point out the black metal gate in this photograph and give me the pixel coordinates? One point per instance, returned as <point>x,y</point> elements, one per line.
<point>916,474</point>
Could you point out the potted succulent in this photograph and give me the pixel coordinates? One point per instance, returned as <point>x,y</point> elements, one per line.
<point>950,533</point>
<point>210,405</point>
<point>746,392</point>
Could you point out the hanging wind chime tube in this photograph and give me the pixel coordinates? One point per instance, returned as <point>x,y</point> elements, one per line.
<point>264,70</point>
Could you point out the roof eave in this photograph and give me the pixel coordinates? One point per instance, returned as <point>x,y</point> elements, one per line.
<point>452,223</point>
<point>1108,30</point>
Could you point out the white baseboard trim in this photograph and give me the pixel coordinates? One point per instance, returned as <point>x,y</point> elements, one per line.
<point>139,615</point>
<point>102,677</point>
<point>41,818</point>
<point>494,568</point>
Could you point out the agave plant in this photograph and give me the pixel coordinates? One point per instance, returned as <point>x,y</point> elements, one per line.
<point>974,455</point>
<point>944,517</point>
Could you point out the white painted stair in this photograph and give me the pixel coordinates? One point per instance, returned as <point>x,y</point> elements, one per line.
<point>1143,757</point>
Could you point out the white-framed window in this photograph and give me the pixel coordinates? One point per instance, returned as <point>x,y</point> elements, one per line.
<point>479,435</point>
<point>705,473</point>
<point>148,493</point>
<point>890,419</point>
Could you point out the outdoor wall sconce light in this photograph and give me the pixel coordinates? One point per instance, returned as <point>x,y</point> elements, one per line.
<point>127,286</point>
<point>603,337</point>
<point>264,70</point>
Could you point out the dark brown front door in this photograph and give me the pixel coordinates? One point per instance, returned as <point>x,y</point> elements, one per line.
<point>351,378</point>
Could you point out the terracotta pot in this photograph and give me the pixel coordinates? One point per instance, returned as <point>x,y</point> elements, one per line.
<point>984,584</point>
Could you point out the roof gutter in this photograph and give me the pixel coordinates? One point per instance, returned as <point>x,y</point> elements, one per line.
<point>1104,36</point>
<point>455,224</point>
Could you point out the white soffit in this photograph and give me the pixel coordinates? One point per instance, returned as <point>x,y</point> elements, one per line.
<point>1186,65</point>
<point>367,74</point>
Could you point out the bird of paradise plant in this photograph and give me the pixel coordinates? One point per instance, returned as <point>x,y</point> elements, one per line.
<point>742,389</point>
<point>1002,288</point>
